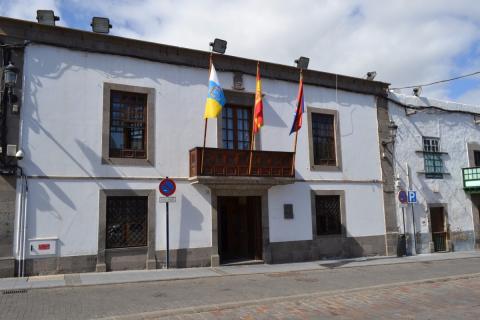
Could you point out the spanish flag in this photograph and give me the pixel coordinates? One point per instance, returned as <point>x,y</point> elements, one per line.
<point>258,109</point>
<point>297,121</point>
<point>215,98</point>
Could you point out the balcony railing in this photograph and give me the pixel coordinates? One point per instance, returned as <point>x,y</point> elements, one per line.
<point>471,178</point>
<point>226,162</point>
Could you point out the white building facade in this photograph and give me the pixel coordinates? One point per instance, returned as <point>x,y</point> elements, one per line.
<point>436,151</point>
<point>104,119</point>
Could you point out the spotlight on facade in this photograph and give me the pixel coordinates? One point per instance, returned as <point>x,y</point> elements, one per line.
<point>302,62</point>
<point>417,91</point>
<point>371,75</point>
<point>101,25</point>
<point>47,17</point>
<point>219,46</point>
<point>10,75</point>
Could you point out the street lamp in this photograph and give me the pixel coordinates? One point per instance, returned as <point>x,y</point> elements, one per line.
<point>10,75</point>
<point>47,17</point>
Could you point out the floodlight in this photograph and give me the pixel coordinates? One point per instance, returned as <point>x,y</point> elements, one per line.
<point>371,75</point>
<point>302,62</point>
<point>47,17</point>
<point>101,25</point>
<point>219,46</point>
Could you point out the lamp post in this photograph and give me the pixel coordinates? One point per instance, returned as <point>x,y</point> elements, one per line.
<point>392,135</point>
<point>9,75</point>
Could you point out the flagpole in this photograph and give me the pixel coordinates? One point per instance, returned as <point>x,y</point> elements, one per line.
<point>252,140</point>
<point>296,136</point>
<point>206,119</point>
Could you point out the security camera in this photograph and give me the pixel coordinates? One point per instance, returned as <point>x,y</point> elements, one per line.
<point>19,155</point>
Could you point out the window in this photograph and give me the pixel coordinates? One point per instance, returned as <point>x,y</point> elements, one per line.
<point>128,125</point>
<point>328,215</point>
<point>432,158</point>
<point>476,156</point>
<point>128,116</point>
<point>236,127</point>
<point>126,221</point>
<point>324,139</point>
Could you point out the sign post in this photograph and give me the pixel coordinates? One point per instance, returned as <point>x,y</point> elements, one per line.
<point>167,188</point>
<point>403,198</point>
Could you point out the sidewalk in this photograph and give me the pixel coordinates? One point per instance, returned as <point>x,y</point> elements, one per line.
<point>86,279</point>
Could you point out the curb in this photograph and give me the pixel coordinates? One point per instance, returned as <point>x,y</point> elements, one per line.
<point>233,305</point>
<point>35,283</point>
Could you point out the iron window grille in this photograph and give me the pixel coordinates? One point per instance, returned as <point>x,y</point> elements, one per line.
<point>323,132</point>
<point>128,116</point>
<point>328,215</point>
<point>127,223</point>
<point>432,158</point>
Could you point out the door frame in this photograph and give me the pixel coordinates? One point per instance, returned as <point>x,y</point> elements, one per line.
<point>445,221</point>
<point>244,191</point>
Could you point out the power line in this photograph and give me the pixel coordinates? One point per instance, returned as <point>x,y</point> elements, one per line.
<point>441,81</point>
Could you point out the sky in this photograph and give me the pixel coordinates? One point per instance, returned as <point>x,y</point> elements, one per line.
<point>407,42</point>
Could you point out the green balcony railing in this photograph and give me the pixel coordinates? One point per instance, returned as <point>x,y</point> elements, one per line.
<point>471,179</point>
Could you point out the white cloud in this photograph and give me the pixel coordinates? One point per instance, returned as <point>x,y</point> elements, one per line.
<point>27,9</point>
<point>406,42</point>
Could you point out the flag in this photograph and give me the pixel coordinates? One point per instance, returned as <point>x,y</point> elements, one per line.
<point>215,98</point>
<point>258,109</point>
<point>297,121</point>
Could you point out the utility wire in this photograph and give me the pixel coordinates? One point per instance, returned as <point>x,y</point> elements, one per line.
<point>441,81</point>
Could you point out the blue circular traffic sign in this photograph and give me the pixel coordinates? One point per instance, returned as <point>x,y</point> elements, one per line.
<point>402,196</point>
<point>167,187</point>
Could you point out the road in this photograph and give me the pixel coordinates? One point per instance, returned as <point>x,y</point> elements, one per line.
<point>375,292</point>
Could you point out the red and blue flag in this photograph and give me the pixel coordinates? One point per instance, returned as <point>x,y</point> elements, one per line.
<point>297,121</point>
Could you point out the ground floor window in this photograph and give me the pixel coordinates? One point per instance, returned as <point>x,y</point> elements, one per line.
<point>328,215</point>
<point>126,221</point>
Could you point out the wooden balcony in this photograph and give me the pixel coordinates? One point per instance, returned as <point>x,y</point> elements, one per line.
<point>235,163</point>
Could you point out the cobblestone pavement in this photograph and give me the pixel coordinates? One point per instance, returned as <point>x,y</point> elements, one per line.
<point>452,299</point>
<point>103,301</point>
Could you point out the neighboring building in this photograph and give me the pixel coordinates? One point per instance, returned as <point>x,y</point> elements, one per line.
<point>104,119</point>
<point>436,141</point>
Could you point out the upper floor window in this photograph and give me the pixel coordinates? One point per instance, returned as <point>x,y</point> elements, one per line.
<point>236,127</point>
<point>324,139</point>
<point>432,158</point>
<point>476,158</point>
<point>128,125</point>
<point>128,116</point>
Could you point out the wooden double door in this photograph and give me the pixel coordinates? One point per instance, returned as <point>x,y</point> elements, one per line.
<point>240,228</point>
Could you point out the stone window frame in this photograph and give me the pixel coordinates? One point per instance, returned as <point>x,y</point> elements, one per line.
<point>471,148</point>
<point>338,152</point>
<point>102,226</point>
<point>343,216</point>
<point>150,125</point>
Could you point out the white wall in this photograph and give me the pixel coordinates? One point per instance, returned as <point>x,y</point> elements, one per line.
<point>363,208</point>
<point>455,132</point>
<point>61,136</point>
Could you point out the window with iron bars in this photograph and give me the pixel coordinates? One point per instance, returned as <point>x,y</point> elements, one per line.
<point>328,215</point>
<point>126,223</point>
<point>323,131</point>
<point>128,116</point>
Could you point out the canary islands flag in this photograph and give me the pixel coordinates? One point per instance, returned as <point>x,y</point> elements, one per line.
<point>215,98</point>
